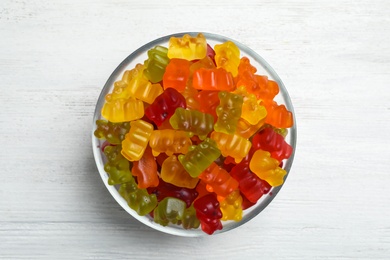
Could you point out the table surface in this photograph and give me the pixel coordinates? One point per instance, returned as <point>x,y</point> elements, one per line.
<point>333,57</point>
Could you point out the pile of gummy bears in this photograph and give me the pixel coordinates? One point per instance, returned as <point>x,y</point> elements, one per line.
<point>193,136</point>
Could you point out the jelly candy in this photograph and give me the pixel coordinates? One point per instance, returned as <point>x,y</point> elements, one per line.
<point>187,47</point>
<point>140,87</point>
<point>227,56</point>
<point>209,213</point>
<point>114,133</point>
<point>278,116</point>
<point>192,121</point>
<point>212,79</point>
<point>228,112</point>
<point>164,106</point>
<point>169,141</point>
<point>169,210</point>
<point>268,140</point>
<point>231,206</point>
<point>260,86</point>
<point>252,111</point>
<point>251,186</point>
<point>138,199</point>
<point>189,219</point>
<point>123,110</point>
<point>136,140</point>
<point>176,74</point>
<point>232,145</point>
<point>218,180</point>
<point>146,170</point>
<point>173,172</point>
<point>267,168</point>
<point>156,63</point>
<point>199,157</point>
<point>117,166</point>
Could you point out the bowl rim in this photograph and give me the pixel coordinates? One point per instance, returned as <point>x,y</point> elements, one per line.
<point>97,152</point>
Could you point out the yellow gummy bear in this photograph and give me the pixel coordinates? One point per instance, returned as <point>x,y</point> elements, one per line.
<point>227,56</point>
<point>136,140</point>
<point>252,111</point>
<point>123,110</point>
<point>187,47</point>
<point>267,168</point>
<point>231,206</point>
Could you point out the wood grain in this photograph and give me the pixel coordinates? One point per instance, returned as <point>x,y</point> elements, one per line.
<point>334,58</point>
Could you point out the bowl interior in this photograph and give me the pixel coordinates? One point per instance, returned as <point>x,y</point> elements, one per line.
<point>138,56</point>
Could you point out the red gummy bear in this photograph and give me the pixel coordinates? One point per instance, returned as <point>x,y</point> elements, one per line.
<point>251,186</point>
<point>164,106</point>
<point>269,140</point>
<point>208,213</point>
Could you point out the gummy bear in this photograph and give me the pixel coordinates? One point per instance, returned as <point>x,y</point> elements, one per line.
<point>141,88</point>
<point>164,106</point>
<point>218,180</point>
<point>169,210</point>
<point>117,167</point>
<point>173,172</point>
<point>227,56</point>
<point>123,110</point>
<point>232,145</point>
<point>231,206</point>
<point>260,86</point>
<point>278,116</point>
<point>156,63</point>
<point>252,111</point>
<point>187,47</point>
<point>146,170</point>
<point>199,157</point>
<point>138,199</point>
<point>176,74</point>
<point>251,186</point>
<point>169,141</point>
<point>189,218</point>
<point>267,168</point>
<point>212,79</point>
<point>209,213</point>
<point>268,140</point>
<point>192,121</point>
<point>164,190</point>
<point>114,133</point>
<point>134,145</point>
<point>228,112</point>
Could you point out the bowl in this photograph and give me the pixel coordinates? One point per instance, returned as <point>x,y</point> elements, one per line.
<point>139,56</point>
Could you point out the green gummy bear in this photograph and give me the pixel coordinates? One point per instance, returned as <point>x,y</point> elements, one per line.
<point>114,133</point>
<point>138,199</point>
<point>117,166</point>
<point>156,63</point>
<point>199,157</point>
<point>169,210</point>
<point>189,218</point>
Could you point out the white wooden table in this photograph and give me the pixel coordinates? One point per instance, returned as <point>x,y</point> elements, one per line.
<point>334,58</point>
